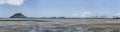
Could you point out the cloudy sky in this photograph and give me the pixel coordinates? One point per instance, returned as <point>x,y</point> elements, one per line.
<point>67,8</point>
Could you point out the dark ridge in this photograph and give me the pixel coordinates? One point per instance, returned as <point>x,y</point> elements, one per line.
<point>18,15</point>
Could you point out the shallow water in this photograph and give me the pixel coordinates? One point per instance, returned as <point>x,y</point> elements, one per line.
<point>79,25</point>
<point>53,27</point>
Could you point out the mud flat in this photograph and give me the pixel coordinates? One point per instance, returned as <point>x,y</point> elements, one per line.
<point>61,25</point>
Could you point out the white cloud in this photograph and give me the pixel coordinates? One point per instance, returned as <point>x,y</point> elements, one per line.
<point>86,14</point>
<point>12,2</point>
<point>83,15</point>
<point>118,14</point>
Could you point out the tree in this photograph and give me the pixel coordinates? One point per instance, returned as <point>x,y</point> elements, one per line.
<point>115,17</point>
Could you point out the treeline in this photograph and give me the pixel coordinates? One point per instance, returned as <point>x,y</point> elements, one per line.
<point>75,18</point>
<point>20,15</point>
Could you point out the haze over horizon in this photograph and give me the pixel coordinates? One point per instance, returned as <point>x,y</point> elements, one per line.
<point>60,8</point>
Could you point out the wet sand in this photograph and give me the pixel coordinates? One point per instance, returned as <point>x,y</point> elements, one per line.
<point>61,25</point>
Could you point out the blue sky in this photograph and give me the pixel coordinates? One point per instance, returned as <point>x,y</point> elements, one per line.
<point>66,8</point>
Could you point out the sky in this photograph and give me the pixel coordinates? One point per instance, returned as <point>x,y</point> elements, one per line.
<point>60,8</point>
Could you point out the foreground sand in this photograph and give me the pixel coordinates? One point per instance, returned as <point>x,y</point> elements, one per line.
<point>62,25</point>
